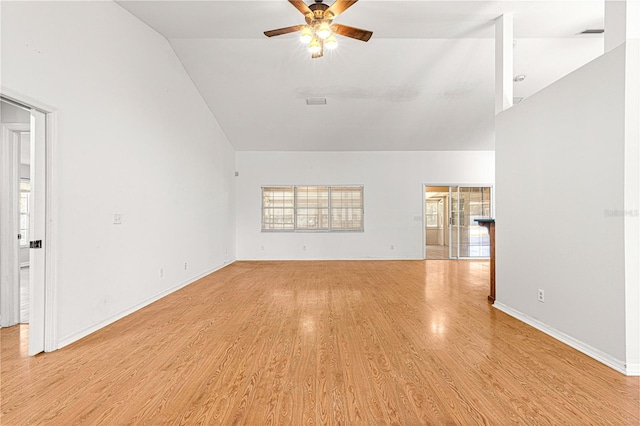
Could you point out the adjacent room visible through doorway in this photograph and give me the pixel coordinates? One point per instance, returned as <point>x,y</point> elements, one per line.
<point>449,223</point>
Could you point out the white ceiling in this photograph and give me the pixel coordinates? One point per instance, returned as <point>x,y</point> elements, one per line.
<point>425,80</point>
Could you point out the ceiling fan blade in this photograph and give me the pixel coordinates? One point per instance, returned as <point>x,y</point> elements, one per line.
<point>347,31</point>
<point>338,7</point>
<point>303,8</point>
<point>281,31</point>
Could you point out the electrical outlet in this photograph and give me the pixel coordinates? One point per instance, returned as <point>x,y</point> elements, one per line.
<point>262,248</point>
<point>185,266</point>
<point>540,295</point>
<point>304,247</point>
<point>161,272</point>
<point>392,247</point>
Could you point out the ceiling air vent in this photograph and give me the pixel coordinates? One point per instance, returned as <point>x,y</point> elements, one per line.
<point>316,101</point>
<point>593,31</point>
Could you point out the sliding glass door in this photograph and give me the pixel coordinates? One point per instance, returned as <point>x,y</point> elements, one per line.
<point>468,239</point>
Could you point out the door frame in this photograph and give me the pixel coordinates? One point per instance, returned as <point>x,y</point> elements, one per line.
<point>48,292</point>
<point>424,211</point>
<point>9,208</point>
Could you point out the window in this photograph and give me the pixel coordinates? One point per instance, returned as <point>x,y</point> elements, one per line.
<point>25,190</point>
<point>432,214</point>
<point>278,208</point>
<point>346,208</point>
<point>312,208</point>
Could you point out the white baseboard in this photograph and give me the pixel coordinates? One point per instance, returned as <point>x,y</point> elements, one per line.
<point>322,259</point>
<point>85,332</point>
<point>633,370</point>
<point>598,355</point>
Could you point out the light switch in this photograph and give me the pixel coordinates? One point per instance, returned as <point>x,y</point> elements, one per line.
<point>117,219</point>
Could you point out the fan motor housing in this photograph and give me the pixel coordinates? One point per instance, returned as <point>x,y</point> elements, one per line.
<point>318,11</point>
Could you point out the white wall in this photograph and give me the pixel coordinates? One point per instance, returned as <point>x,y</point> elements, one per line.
<point>393,196</point>
<point>134,138</point>
<point>560,180</point>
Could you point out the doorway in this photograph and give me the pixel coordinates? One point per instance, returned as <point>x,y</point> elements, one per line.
<point>23,213</point>
<point>450,230</point>
<point>437,237</point>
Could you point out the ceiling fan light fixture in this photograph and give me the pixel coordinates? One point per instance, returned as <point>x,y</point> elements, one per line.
<point>314,46</point>
<point>320,31</point>
<point>331,42</point>
<point>324,30</point>
<point>306,35</point>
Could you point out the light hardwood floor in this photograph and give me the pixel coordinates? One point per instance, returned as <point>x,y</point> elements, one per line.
<point>344,342</point>
<point>24,295</point>
<point>437,252</point>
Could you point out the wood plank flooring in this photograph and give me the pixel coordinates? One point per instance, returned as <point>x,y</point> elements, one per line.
<point>308,343</point>
<point>437,252</point>
<point>24,295</point>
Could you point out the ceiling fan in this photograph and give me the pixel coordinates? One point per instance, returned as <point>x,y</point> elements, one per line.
<point>320,31</point>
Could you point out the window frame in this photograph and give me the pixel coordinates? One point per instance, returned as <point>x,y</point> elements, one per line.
<point>328,208</point>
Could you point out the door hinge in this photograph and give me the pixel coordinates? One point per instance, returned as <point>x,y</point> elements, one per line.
<point>19,236</point>
<point>35,244</point>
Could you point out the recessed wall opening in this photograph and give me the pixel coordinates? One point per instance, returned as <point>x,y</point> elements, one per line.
<point>23,225</point>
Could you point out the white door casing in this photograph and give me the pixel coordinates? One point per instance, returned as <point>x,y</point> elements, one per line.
<point>37,220</point>
<point>9,224</point>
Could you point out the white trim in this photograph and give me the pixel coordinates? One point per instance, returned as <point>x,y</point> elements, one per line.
<point>10,217</point>
<point>18,127</point>
<point>586,349</point>
<point>333,259</point>
<point>37,231</point>
<point>633,370</point>
<point>25,100</point>
<point>51,234</point>
<point>67,340</point>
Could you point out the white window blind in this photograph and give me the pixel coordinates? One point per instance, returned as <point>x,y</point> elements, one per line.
<point>312,208</point>
<point>346,208</point>
<point>278,208</point>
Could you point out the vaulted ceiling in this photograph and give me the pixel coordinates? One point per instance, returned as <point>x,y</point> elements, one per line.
<point>425,80</point>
